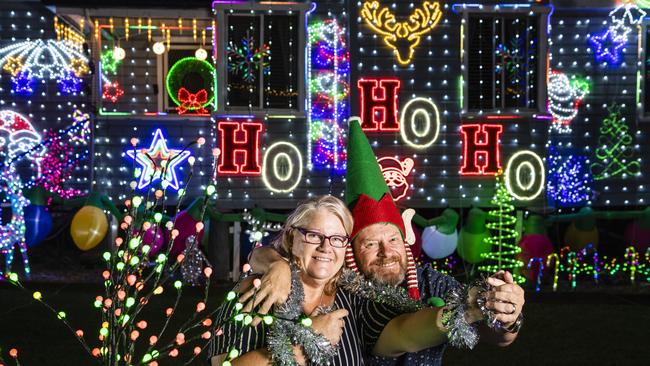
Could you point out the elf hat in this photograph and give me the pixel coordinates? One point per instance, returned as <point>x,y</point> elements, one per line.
<point>368,196</point>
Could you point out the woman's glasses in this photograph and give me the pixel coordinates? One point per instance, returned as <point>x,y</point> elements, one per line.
<point>314,237</point>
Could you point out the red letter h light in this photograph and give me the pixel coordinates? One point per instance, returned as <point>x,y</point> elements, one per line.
<point>386,104</point>
<point>481,140</point>
<point>248,146</point>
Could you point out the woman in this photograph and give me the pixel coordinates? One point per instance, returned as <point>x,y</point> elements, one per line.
<point>315,238</point>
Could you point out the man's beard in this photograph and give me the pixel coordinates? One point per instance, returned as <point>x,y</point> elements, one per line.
<point>374,271</point>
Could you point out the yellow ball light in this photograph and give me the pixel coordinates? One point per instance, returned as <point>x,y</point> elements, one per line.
<point>201,54</point>
<point>158,48</point>
<point>119,53</point>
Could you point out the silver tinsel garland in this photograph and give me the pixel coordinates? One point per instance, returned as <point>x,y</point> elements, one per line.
<point>392,296</point>
<point>287,330</point>
<point>461,333</point>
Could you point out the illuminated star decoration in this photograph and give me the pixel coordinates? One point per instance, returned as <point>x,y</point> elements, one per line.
<point>23,83</point>
<point>69,83</point>
<point>150,161</point>
<point>13,65</point>
<point>608,45</point>
<point>112,91</point>
<point>79,67</point>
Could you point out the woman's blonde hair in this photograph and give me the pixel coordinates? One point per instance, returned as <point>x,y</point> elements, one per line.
<point>301,216</point>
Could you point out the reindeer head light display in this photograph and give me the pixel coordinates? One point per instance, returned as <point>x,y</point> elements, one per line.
<point>403,36</point>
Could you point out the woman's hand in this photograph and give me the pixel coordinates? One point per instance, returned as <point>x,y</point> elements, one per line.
<point>330,325</point>
<point>274,289</point>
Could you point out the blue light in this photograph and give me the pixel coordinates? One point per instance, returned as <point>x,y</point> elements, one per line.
<point>69,83</point>
<point>23,83</point>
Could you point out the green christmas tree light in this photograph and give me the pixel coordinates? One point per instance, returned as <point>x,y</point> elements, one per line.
<point>503,236</point>
<point>614,156</point>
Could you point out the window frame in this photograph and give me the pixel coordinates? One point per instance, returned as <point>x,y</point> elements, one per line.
<point>542,12</point>
<point>221,12</point>
<point>643,111</point>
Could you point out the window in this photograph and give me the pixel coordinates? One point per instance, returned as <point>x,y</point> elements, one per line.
<point>261,60</point>
<point>504,61</point>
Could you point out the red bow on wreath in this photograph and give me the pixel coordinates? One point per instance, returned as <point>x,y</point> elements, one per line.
<point>192,102</point>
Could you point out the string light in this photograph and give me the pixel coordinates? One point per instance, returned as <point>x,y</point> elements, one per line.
<point>43,59</point>
<point>328,74</point>
<point>12,233</point>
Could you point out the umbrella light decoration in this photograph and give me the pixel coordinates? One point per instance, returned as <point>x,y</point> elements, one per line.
<point>44,60</point>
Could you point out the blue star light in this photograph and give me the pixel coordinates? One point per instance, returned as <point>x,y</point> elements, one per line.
<point>23,83</point>
<point>155,160</point>
<point>69,83</point>
<point>608,46</point>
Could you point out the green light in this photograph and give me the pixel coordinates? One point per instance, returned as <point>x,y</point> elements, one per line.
<point>226,363</point>
<point>146,358</point>
<point>137,200</point>
<point>161,258</point>
<point>267,319</point>
<point>135,242</point>
<point>120,266</point>
<point>178,284</point>
<point>501,223</point>
<point>103,332</point>
<point>157,217</point>
<point>107,256</point>
<point>61,315</point>
<point>145,249</point>
<point>248,319</point>
<point>134,261</point>
<point>231,296</point>
<point>13,277</point>
<point>234,353</point>
<point>202,67</point>
<point>307,322</point>
<point>109,62</point>
<point>37,295</point>
<point>130,302</point>
<point>210,190</point>
<point>239,306</point>
<point>615,155</point>
<point>126,319</point>
<point>239,317</point>
<point>97,304</point>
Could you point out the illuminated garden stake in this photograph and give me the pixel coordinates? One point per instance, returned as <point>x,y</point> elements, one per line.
<point>556,270</point>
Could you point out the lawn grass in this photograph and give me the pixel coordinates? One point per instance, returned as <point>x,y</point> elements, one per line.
<point>596,328</point>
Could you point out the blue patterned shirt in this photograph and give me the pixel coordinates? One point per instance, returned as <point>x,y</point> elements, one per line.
<point>431,283</point>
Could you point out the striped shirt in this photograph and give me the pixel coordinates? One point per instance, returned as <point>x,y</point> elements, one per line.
<point>431,283</point>
<point>363,325</point>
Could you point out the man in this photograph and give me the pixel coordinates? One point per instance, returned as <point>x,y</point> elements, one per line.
<point>380,248</point>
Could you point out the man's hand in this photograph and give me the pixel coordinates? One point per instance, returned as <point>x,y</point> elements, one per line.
<point>506,299</point>
<point>330,325</point>
<point>273,289</point>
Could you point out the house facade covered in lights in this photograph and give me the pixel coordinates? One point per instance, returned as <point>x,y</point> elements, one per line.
<point>549,93</point>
